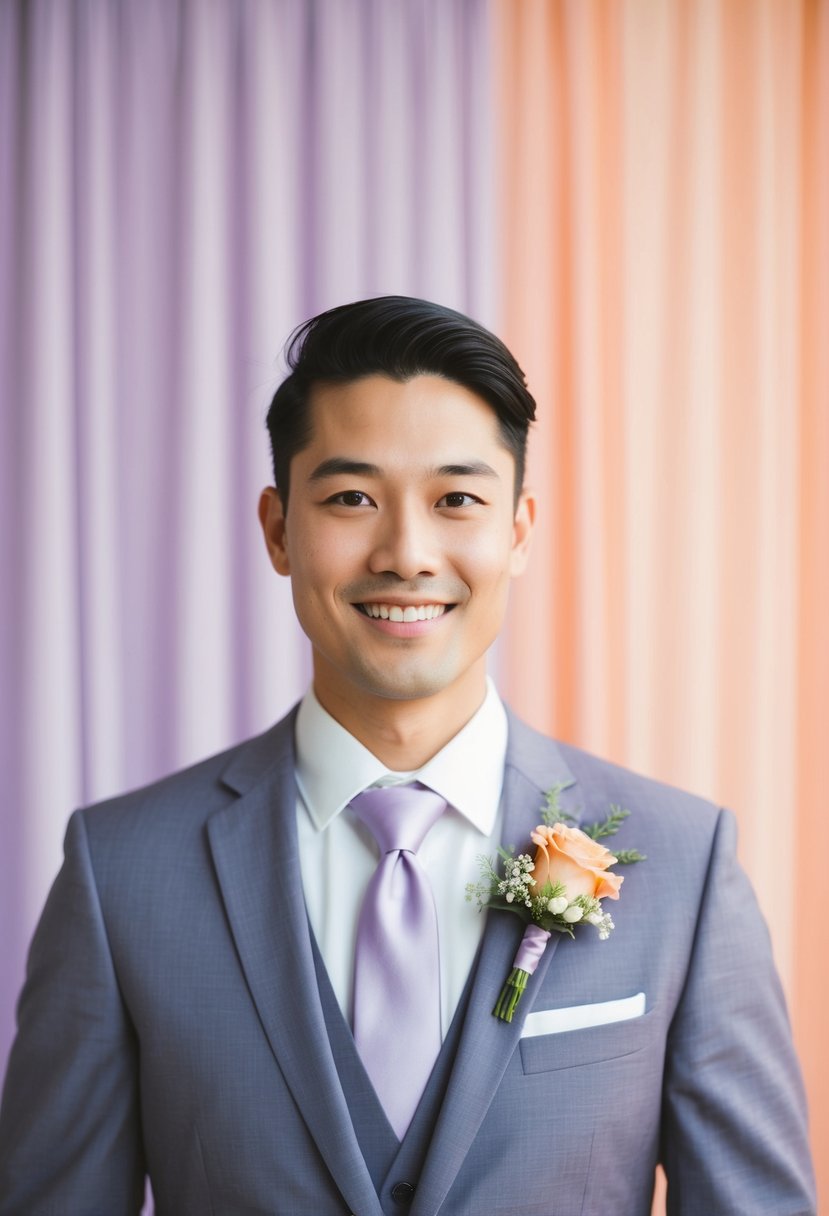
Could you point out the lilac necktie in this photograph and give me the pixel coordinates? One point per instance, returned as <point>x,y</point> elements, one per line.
<point>396,961</point>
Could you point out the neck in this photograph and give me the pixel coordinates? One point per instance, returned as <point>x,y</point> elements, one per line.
<point>404,735</point>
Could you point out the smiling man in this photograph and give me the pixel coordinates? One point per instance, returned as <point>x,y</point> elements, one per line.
<point>404,530</point>
<point>259,981</point>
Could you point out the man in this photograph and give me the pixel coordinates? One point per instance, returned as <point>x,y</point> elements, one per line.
<point>204,1001</point>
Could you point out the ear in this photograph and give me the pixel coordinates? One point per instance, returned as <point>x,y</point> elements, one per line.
<point>522,529</point>
<point>272,519</point>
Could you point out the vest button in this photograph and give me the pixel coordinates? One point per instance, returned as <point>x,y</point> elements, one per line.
<point>402,1192</point>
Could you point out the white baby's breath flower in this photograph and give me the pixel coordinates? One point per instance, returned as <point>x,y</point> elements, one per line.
<point>509,897</point>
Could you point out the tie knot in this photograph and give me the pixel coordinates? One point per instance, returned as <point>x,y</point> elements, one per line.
<point>399,816</point>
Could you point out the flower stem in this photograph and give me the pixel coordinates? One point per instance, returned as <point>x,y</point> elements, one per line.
<point>511,994</point>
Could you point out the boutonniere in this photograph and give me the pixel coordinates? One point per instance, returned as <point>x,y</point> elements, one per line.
<point>556,891</point>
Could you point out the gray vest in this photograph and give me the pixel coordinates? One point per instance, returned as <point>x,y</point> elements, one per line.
<point>394,1166</point>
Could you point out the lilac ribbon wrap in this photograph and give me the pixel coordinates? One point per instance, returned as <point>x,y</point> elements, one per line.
<point>533,945</point>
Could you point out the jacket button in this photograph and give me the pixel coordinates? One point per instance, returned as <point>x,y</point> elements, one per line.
<point>402,1192</point>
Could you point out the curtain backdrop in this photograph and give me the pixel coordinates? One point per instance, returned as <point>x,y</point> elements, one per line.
<point>183,183</point>
<point>634,194</point>
<point>666,286</point>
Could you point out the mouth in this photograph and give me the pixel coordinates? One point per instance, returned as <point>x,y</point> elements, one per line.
<point>404,615</point>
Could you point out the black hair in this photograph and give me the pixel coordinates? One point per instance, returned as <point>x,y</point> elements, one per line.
<point>399,337</point>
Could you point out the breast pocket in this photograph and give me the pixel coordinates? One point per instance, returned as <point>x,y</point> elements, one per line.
<point>592,1045</point>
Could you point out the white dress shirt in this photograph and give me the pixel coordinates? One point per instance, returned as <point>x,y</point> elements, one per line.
<point>338,854</point>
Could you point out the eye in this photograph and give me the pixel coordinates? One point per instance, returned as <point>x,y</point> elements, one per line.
<point>350,498</point>
<point>458,499</point>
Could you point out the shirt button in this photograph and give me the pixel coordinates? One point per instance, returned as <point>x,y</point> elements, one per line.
<point>402,1192</point>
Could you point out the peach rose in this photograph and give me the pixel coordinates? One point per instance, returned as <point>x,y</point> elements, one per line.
<point>568,856</point>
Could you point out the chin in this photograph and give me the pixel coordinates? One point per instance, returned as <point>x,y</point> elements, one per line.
<point>404,686</point>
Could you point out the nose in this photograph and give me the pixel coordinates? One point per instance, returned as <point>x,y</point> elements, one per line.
<point>405,543</point>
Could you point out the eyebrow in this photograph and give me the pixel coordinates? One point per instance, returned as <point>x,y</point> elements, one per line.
<point>337,466</point>
<point>475,468</point>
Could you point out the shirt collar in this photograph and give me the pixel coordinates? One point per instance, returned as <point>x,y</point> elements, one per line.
<point>333,767</point>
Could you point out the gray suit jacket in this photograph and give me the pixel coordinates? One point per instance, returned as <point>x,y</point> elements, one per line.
<point>171,1023</point>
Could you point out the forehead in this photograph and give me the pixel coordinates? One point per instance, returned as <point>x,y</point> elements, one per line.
<point>402,418</point>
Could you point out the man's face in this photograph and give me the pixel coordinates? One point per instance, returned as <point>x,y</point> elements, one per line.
<point>400,539</point>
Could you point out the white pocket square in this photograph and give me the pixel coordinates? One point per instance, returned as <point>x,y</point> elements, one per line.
<point>580,1017</point>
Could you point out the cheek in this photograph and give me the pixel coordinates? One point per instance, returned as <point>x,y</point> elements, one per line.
<point>317,564</point>
<point>484,562</point>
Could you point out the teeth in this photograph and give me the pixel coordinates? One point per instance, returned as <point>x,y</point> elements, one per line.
<point>393,612</point>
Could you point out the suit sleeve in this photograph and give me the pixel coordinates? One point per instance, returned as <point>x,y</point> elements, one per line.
<point>70,1138</point>
<point>734,1134</point>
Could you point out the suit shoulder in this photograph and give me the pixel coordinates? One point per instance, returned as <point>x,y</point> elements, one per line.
<point>599,783</point>
<point>622,785</point>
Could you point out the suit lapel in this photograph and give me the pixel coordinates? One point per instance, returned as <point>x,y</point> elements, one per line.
<point>254,846</point>
<point>534,765</point>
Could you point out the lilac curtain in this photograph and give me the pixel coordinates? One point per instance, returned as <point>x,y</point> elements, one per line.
<point>181,184</point>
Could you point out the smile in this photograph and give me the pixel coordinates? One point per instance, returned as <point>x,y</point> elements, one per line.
<point>394,612</point>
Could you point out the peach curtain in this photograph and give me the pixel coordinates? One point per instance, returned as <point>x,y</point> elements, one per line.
<point>665,198</point>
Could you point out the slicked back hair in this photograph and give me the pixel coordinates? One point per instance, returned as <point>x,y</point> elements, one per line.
<point>398,337</point>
